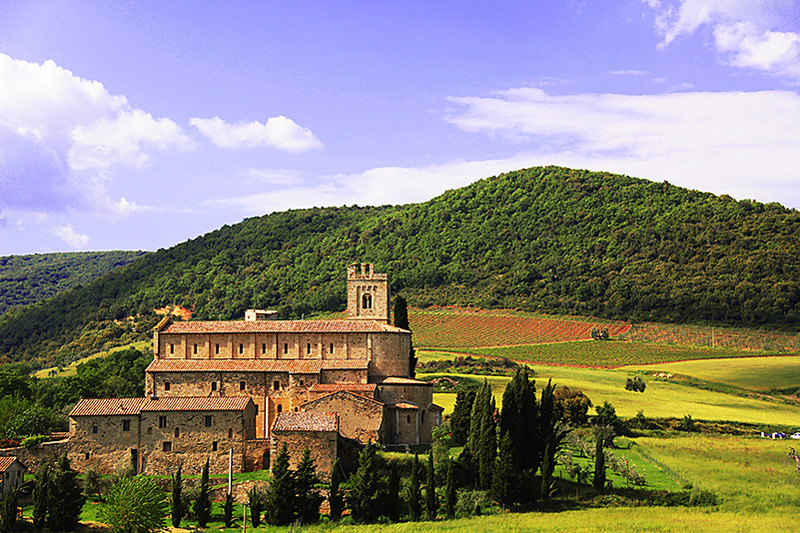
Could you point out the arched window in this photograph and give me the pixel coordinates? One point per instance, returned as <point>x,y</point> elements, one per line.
<point>280,408</point>
<point>366,301</point>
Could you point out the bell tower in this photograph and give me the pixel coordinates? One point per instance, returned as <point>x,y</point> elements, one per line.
<point>367,293</point>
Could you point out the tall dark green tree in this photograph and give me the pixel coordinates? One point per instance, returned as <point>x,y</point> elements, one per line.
<point>8,512</point>
<point>551,433</point>
<point>307,496</point>
<point>176,501</point>
<point>202,502</point>
<point>401,313</point>
<point>64,496</point>
<point>40,495</point>
<point>335,495</point>
<point>228,509</point>
<point>135,504</point>
<point>506,480</point>
<point>431,500</point>
<point>519,419</point>
<point>256,499</point>
<point>414,492</point>
<point>366,488</point>
<point>393,496</point>
<point>280,507</point>
<point>450,494</point>
<point>482,441</point>
<point>599,480</point>
<point>459,420</point>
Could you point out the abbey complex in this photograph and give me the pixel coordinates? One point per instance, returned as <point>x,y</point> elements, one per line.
<point>246,387</point>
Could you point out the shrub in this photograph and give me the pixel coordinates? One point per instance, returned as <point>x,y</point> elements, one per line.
<point>472,502</point>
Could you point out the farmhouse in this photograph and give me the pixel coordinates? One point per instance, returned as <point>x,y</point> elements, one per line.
<point>12,473</point>
<point>261,381</point>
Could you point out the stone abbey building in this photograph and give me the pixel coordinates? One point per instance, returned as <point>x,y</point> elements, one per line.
<point>246,387</point>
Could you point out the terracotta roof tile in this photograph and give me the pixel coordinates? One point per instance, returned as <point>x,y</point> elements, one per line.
<point>186,403</point>
<point>280,326</point>
<point>403,381</point>
<point>293,366</point>
<point>404,405</point>
<point>6,462</point>
<point>108,407</point>
<point>303,421</point>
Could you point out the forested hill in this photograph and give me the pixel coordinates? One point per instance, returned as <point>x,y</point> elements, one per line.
<point>27,279</point>
<point>549,239</point>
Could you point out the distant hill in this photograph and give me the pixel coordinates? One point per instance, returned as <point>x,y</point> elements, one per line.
<point>547,239</point>
<point>27,279</point>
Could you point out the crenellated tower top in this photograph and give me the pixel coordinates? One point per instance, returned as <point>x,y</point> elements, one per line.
<point>368,294</point>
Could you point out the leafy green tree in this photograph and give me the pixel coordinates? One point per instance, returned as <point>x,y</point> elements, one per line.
<point>91,483</point>
<point>256,500</point>
<point>135,505</point>
<point>279,506</point>
<point>459,420</point>
<point>335,495</point>
<point>572,406</point>
<point>431,501</point>
<point>366,488</point>
<point>202,502</point>
<point>450,494</point>
<point>64,497</point>
<point>414,492</point>
<point>307,497</point>
<point>176,501</point>
<point>40,496</point>
<point>393,495</point>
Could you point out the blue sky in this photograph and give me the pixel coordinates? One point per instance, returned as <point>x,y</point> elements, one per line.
<point>139,125</point>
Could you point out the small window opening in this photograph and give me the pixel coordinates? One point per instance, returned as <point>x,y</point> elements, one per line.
<point>195,349</point>
<point>166,446</point>
<point>208,421</point>
<point>213,385</point>
<point>86,455</point>
<point>241,348</point>
<point>280,408</point>
<point>95,429</point>
<point>216,349</point>
<point>331,347</point>
<point>308,349</point>
<point>242,385</point>
<point>171,348</point>
<point>162,421</point>
<point>150,431</point>
<point>214,446</point>
<point>295,409</point>
<point>366,301</point>
<point>276,385</point>
<point>285,347</point>
<point>230,433</point>
<point>302,382</point>
<point>422,416</point>
<point>263,347</point>
<point>408,419</point>
<point>177,432</point>
<point>126,425</point>
<point>166,385</point>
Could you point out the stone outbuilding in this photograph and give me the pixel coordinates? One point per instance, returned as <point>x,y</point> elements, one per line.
<point>319,432</point>
<point>12,473</point>
<point>360,418</point>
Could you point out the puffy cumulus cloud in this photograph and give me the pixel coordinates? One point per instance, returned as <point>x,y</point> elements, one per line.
<point>743,144</point>
<point>746,32</point>
<point>278,132</point>
<point>67,234</point>
<point>59,135</point>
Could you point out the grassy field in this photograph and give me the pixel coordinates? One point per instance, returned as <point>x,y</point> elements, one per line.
<point>72,368</point>
<point>755,373</point>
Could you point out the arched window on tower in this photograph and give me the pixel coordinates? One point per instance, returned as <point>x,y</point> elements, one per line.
<point>366,301</point>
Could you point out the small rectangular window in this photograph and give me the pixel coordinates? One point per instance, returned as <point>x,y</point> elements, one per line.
<point>195,349</point>
<point>171,348</point>
<point>166,385</point>
<point>214,446</point>
<point>162,421</point>
<point>177,432</point>
<point>216,349</point>
<point>242,385</point>
<point>126,425</point>
<point>241,348</point>
<point>308,348</point>
<point>86,455</point>
<point>285,347</point>
<point>230,433</point>
<point>302,383</point>
<point>208,421</point>
<point>166,446</point>
<point>213,385</point>
<point>263,347</point>
<point>95,429</point>
<point>331,347</point>
<point>276,385</point>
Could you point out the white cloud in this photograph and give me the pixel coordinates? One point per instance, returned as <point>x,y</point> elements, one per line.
<point>67,234</point>
<point>746,32</point>
<point>278,132</point>
<point>60,134</point>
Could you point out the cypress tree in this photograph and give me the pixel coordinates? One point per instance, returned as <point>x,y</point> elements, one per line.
<point>519,418</point>
<point>279,504</point>
<point>460,419</point>
<point>176,503</point>
<point>483,438</point>
<point>401,313</point>
<point>393,499</point>
<point>228,509</point>
<point>366,493</point>
<point>599,481</point>
<point>202,503</point>
<point>308,497</point>
<point>64,496</point>
<point>335,496</point>
<point>450,495</point>
<point>414,495</point>
<point>8,512</point>
<point>506,475</point>
<point>431,501</point>
<point>255,498</point>
<point>40,496</point>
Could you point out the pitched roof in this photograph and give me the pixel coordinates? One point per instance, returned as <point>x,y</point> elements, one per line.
<point>403,381</point>
<point>405,405</point>
<point>197,403</point>
<point>108,407</point>
<point>6,462</point>
<point>334,387</point>
<point>343,393</point>
<point>306,421</point>
<point>280,326</point>
<point>292,366</point>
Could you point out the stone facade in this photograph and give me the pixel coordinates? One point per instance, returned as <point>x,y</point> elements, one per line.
<point>319,432</point>
<point>12,474</point>
<point>271,368</point>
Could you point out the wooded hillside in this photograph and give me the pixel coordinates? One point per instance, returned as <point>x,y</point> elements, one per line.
<point>549,239</point>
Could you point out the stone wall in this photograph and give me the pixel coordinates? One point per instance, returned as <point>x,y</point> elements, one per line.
<point>322,444</point>
<point>37,455</point>
<point>390,355</point>
<point>360,418</point>
<point>104,443</point>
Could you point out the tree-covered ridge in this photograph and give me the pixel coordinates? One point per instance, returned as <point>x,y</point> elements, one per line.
<point>26,279</point>
<point>549,239</point>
